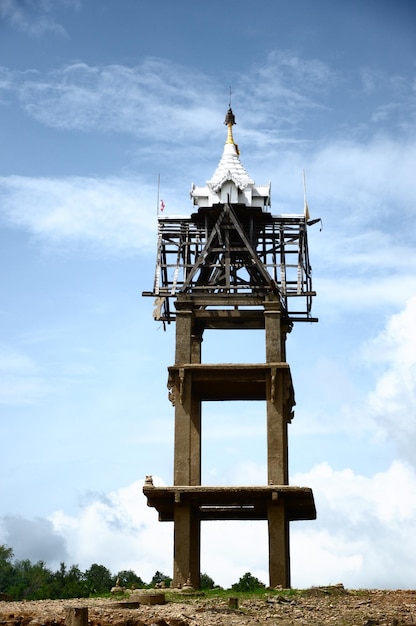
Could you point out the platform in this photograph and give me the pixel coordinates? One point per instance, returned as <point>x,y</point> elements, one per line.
<point>232,503</point>
<point>230,381</point>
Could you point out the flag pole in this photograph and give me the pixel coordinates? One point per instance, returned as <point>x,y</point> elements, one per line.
<point>305,202</point>
<point>158,193</point>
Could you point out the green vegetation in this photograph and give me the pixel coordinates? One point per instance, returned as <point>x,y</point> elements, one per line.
<point>206,582</point>
<point>159,577</point>
<point>248,582</point>
<point>23,580</point>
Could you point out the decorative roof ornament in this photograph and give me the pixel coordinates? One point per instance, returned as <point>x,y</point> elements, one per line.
<point>230,118</point>
<point>230,122</point>
<point>230,181</point>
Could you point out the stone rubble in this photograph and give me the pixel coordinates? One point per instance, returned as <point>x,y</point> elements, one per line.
<point>315,607</point>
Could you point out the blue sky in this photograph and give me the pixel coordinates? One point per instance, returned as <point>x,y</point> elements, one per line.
<point>97,99</point>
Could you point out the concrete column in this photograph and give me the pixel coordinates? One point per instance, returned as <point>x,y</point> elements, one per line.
<point>187,463</point>
<point>279,556</point>
<point>195,443</point>
<point>184,322</point>
<point>187,543</point>
<point>285,328</point>
<point>273,334</point>
<point>277,445</point>
<point>183,428</point>
<point>196,341</point>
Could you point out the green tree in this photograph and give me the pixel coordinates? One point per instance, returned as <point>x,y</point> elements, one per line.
<point>57,582</point>
<point>206,582</point>
<point>99,579</point>
<point>6,568</point>
<point>75,584</point>
<point>129,579</point>
<point>159,577</point>
<point>30,581</point>
<point>248,582</point>
<point>68,583</point>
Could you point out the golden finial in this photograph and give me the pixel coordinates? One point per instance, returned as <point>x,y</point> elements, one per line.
<point>229,122</point>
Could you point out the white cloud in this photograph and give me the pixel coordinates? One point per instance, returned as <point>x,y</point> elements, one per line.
<point>35,540</point>
<point>372,390</point>
<point>365,254</point>
<point>360,239</point>
<point>322,557</point>
<point>285,88</point>
<point>117,214</point>
<point>392,403</point>
<point>21,380</point>
<point>34,16</point>
<point>154,100</point>
<point>230,549</point>
<point>118,530</point>
<point>364,177</point>
<point>363,188</point>
<point>158,99</point>
<point>344,295</point>
<point>363,536</point>
<point>380,498</point>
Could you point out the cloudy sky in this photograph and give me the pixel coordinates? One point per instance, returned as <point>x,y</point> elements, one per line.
<point>99,97</point>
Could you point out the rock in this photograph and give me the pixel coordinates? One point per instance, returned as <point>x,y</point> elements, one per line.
<point>149,597</point>
<point>300,607</point>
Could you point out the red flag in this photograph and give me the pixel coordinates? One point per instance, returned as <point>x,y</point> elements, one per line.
<point>162,205</point>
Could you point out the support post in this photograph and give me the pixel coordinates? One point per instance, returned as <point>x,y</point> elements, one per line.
<point>184,322</point>
<point>273,335</point>
<point>277,452</point>
<point>279,559</point>
<point>187,546</point>
<point>187,464</point>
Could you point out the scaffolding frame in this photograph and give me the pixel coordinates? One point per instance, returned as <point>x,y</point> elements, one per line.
<point>233,250</point>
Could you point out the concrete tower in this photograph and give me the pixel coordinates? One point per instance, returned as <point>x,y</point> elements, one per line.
<point>231,265</point>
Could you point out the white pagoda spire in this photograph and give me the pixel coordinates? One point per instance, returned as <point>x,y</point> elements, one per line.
<point>230,181</point>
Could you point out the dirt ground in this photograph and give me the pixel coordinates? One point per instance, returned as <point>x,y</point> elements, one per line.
<point>317,606</point>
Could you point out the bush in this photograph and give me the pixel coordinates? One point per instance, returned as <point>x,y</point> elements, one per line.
<point>99,579</point>
<point>206,582</point>
<point>248,582</point>
<point>159,577</point>
<point>129,579</point>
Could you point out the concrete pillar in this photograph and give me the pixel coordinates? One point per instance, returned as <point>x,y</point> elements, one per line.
<point>187,545</point>
<point>188,335</point>
<point>273,335</point>
<point>187,452</point>
<point>277,444</point>
<point>196,341</point>
<point>184,323</point>
<point>187,463</point>
<point>279,557</point>
<point>195,443</point>
<point>183,402</point>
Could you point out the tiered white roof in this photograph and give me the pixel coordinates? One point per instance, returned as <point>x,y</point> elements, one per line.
<point>230,181</point>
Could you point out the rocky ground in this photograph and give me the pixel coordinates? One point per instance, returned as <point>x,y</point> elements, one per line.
<point>333,606</point>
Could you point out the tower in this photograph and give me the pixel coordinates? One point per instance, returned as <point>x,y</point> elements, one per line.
<point>231,265</point>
